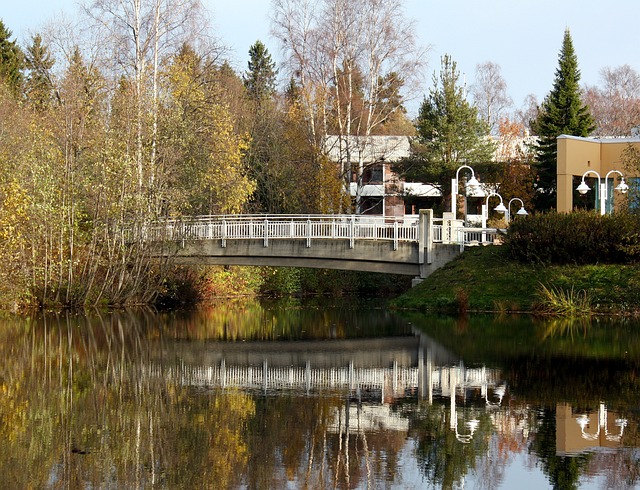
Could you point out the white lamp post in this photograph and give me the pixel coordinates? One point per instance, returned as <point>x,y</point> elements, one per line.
<point>485,211</point>
<point>521,211</point>
<point>472,188</point>
<point>583,188</point>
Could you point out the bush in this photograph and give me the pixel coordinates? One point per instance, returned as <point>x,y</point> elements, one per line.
<point>579,238</point>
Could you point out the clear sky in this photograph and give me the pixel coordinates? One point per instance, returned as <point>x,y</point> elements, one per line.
<point>524,37</point>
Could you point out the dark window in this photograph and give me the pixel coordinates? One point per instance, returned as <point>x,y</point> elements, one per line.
<point>372,174</point>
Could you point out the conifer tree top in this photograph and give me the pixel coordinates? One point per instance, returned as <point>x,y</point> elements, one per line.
<point>561,112</point>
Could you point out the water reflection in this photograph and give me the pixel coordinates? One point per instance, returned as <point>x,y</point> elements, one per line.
<point>259,396</point>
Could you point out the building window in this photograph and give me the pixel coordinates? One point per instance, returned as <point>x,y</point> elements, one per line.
<point>372,205</point>
<point>590,200</point>
<point>633,195</point>
<point>373,174</point>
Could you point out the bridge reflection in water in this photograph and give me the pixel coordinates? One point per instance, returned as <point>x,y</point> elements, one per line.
<point>370,374</point>
<point>374,371</point>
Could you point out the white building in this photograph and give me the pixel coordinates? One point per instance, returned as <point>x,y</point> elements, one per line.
<point>374,187</point>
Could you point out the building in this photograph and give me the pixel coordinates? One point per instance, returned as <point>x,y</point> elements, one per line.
<point>374,187</point>
<point>599,161</point>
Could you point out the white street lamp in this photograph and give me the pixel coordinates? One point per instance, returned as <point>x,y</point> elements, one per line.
<point>520,212</point>
<point>485,208</point>
<point>583,188</point>
<point>472,188</point>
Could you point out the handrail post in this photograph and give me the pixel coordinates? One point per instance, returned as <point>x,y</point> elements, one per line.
<point>425,236</point>
<point>224,233</point>
<point>308,232</point>
<point>352,232</point>
<point>425,240</point>
<point>395,235</point>
<point>266,232</point>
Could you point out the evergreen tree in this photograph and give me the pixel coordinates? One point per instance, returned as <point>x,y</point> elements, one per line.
<point>260,78</point>
<point>449,131</point>
<point>39,61</point>
<point>11,60</point>
<point>561,112</point>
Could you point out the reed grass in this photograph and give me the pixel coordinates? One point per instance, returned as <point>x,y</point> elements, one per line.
<point>568,303</point>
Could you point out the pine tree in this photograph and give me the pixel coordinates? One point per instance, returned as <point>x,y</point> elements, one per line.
<point>260,78</point>
<point>39,62</point>
<point>449,131</point>
<point>561,112</point>
<point>11,60</point>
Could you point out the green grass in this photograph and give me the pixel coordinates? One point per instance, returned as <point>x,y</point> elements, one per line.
<point>487,279</point>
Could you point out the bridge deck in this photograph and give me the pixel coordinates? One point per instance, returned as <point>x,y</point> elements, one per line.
<point>410,245</point>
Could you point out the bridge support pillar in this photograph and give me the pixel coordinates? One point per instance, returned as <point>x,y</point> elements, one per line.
<point>425,244</point>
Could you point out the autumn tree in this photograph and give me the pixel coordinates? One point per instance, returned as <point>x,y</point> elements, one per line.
<point>140,33</point>
<point>615,104</point>
<point>515,157</point>
<point>561,112</point>
<point>17,140</point>
<point>202,162</point>
<point>449,131</point>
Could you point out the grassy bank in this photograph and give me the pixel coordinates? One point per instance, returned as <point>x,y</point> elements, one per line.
<point>487,279</point>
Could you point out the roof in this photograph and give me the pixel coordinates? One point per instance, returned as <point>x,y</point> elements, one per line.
<point>369,149</point>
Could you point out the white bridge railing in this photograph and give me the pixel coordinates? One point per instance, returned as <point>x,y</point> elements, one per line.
<point>394,380</point>
<point>268,227</point>
<point>309,227</point>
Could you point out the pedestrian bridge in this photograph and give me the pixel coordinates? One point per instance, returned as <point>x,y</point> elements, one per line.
<point>409,245</point>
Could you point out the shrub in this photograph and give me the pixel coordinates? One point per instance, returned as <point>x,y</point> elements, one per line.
<point>580,238</point>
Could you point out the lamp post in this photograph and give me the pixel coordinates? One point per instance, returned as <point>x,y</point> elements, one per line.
<point>485,209</point>
<point>472,184</point>
<point>583,188</point>
<point>485,212</point>
<point>521,211</point>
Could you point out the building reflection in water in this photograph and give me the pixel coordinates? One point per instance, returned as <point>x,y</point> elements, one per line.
<point>584,432</point>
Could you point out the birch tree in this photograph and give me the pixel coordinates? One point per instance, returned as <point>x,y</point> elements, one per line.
<point>615,103</point>
<point>140,32</point>
<point>345,55</point>
<point>490,96</point>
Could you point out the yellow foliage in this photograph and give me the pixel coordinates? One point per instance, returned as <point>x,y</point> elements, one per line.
<point>207,152</point>
<point>228,450</point>
<point>13,412</point>
<point>14,214</point>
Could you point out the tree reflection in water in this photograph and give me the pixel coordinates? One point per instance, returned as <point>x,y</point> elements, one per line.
<point>104,400</point>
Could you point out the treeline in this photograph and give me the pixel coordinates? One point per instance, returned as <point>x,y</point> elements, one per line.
<point>146,119</point>
<point>85,155</point>
<point>135,114</point>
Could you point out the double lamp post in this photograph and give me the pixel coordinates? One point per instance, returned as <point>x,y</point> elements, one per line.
<point>583,188</point>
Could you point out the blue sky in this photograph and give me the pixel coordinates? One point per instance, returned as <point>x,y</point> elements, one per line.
<point>522,36</point>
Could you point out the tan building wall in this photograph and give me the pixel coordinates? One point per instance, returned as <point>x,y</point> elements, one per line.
<point>577,155</point>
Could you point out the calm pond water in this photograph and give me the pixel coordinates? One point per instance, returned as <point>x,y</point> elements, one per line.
<point>341,394</point>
